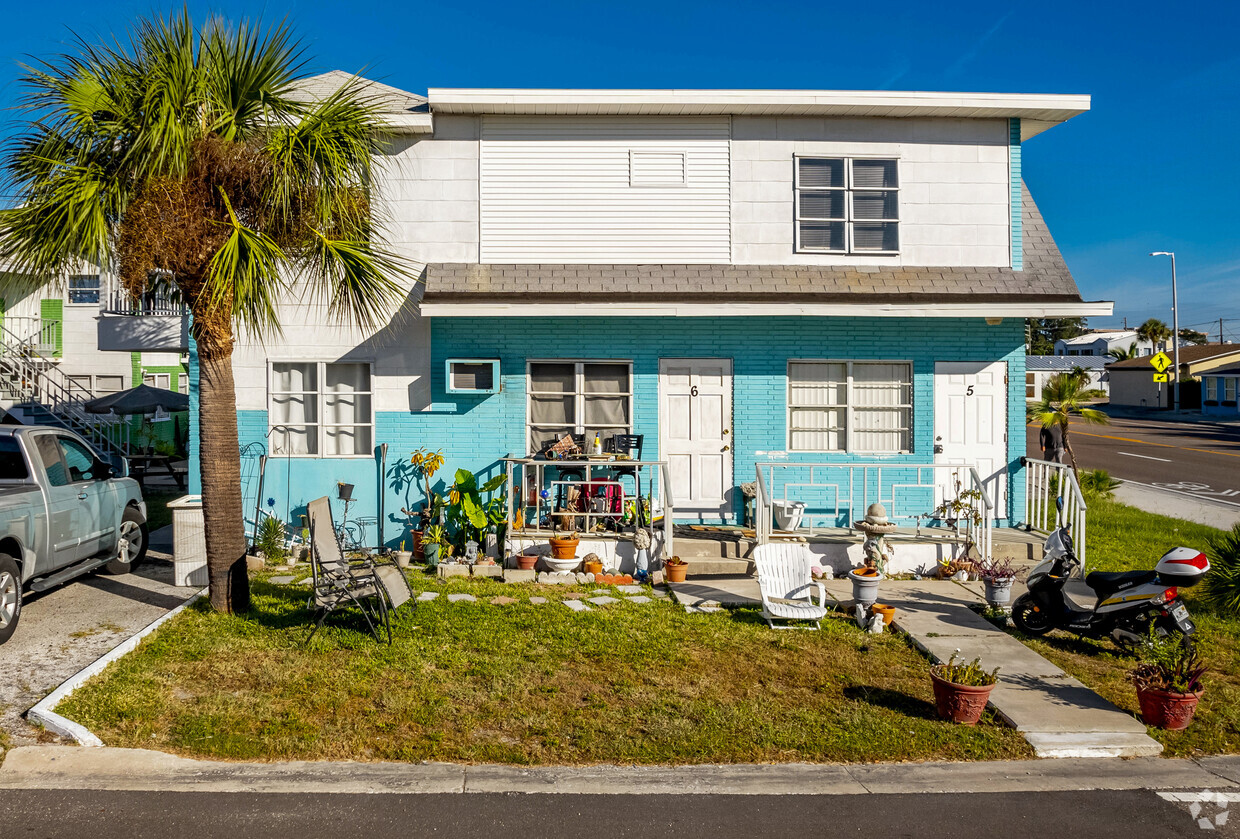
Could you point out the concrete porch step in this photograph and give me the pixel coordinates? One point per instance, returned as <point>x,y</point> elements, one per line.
<point>716,567</point>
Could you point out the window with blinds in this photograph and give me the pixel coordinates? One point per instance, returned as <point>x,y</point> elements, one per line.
<point>578,397</point>
<point>321,409</point>
<point>850,406</point>
<point>847,205</point>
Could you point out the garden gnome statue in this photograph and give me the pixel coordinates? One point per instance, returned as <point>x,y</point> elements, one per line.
<point>875,526</point>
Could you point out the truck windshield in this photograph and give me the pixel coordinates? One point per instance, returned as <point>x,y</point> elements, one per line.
<point>12,465</point>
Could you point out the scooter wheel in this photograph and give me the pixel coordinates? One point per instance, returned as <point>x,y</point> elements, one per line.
<point>1028,618</point>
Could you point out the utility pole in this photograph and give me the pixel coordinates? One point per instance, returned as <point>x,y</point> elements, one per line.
<point>1175,328</point>
<point>1125,324</point>
<point>1220,330</point>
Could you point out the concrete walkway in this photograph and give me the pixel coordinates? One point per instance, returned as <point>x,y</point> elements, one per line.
<point>1058,715</point>
<point>1178,505</point>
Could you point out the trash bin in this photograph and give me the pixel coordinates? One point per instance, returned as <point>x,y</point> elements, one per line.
<point>189,543</point>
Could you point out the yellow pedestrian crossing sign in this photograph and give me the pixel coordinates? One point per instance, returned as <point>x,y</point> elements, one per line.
<point>1160,377</point>
<point>1161,362</point>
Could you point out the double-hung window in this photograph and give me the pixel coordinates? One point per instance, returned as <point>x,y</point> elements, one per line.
<point>319,408</point>
<point>579,397</point>
<point>1212,389</point>
<point>1229,390</point>
<point>850,406</point>
<point>847,205</point>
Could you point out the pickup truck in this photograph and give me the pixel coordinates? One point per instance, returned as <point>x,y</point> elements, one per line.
<point>63,513</point>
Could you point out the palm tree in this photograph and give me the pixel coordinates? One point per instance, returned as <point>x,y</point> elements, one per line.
<point>1063,397</point>
<point>1124,355</point>
<point>185,157</point>
<point>1154,331</point>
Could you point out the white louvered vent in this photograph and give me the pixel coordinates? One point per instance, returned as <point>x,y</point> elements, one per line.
<point>656,168</point>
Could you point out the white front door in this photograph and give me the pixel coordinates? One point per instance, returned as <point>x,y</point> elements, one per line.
<point>695,435</point>
<point>970,426</point>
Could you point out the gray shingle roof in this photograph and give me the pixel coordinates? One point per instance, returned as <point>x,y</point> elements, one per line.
<point>390,99</point>
<point>1045,278</point>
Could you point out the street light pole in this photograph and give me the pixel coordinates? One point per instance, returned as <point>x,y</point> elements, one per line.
<point>1175,326</point>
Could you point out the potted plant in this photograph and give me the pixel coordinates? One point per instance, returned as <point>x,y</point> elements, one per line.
<point>865,582</point>
<point>1168,681</point>
<point>564,547</point>
<point>433,544</point>
<point>998,575</point>
<point>676,569</point>
<point>402,556</point>
<point>877,551</point>
<point>527,562</point>
<point>961,690</point>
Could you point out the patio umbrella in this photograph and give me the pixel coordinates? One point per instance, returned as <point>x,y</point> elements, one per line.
<point>142,399</point>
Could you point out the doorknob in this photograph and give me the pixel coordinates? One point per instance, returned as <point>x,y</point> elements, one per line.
<point>726,449</point>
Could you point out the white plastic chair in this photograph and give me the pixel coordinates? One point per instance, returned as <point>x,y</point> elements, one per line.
<point>785,582</point>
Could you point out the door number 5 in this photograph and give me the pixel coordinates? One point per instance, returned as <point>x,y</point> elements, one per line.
<point>693,391</point>
<point>969,391</point>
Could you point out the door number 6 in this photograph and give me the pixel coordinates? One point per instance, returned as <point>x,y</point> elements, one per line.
<point>693,391</point>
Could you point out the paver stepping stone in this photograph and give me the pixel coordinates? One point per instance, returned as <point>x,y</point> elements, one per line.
<point>458,598</point>
<point>576,605</point>
<point>282,579</point>
<point>629,589</point>
<point>659,593</point>
<point>503,601</point>
<point>702,610</point>
<point>574,595</point>
<point>428,595</point>
<point>538,601</point>
<point>640,598</point>
<point>603,601</point>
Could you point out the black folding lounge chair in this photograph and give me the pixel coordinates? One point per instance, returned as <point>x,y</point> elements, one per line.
<point>375,589</point>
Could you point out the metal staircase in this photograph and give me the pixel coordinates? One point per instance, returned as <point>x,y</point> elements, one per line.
<point>31,378</point>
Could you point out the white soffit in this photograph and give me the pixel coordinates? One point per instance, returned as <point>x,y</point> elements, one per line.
<point>1037,111</point>
<point>455,309</point>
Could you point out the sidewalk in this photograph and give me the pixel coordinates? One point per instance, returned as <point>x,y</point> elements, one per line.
<point>1058,715</point>
<point>75,768</point>
<point>1178,505</point>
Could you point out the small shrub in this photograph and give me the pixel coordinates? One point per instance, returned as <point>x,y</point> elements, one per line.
<point>1168,663</point>
<point>1098,483</point>
<point>995,571</point>
<point>270,540</point>
<point>1221,587</point>
<point>969,675</point>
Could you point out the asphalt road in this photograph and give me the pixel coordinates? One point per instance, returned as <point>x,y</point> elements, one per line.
<point>1200,459</point>
<point>104,815</point>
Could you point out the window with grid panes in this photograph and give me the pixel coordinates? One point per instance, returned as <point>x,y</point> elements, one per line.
<point>849,406</point>
<point>847,205</point>
<point>321,409</point>
<point>578,397</point>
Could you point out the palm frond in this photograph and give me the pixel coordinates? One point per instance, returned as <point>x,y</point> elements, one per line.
<point>248,76</point>
<point>356,279</point>
<point>245,278</point>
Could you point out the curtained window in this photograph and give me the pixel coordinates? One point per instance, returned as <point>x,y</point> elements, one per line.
<point>850,406</point>
<point>321,409</point>
<point>578,397</point>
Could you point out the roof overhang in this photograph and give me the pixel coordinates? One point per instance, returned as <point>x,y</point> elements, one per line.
<point>408,123</point>
<point>1037,111</point>
<point>699,309</point>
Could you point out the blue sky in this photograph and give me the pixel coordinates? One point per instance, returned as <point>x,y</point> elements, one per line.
<point>1151,167</point>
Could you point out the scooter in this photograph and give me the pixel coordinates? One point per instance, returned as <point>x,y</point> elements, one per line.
<point>1129,602</point>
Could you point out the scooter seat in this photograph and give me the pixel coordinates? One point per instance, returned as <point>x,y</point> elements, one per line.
<point>1108,582</point>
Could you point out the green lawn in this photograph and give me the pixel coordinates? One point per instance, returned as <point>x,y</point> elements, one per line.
<point>1122,538</point>
<point>157,512</point>
<point>525,684</point>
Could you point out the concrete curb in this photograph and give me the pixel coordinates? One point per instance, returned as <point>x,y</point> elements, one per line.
<point>44,714</point>
<point>68,767</point>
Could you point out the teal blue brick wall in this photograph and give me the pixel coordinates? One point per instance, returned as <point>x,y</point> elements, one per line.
<point>475,431</point>
<point>1014,182</point>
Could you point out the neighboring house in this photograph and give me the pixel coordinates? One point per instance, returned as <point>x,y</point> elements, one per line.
<point>738,276</point>
<point>1219,390</point>
<point>1132,381</point>
<point>1100,343</point>
<point>1040,368</point>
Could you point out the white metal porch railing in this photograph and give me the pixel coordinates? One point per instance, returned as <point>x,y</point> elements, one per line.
<point>1046,480</point>
<point>29,375</point>
<point>43,336</point>
<point>661,492</point>
<point>911,492</point>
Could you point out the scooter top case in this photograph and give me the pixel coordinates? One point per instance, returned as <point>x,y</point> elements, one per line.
<point>1182,567</point>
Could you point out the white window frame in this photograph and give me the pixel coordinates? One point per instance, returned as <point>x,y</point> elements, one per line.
<point>1212,383</point>
<point>320,408</point>
<point>579,401</point>
<point>848,189</point>
<point>849,405</point>
<point>154,379</point>
<point>1230,386</point>
<point>69,289</point>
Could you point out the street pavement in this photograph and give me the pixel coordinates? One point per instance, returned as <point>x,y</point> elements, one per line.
<point>1200,460</point>
<point>661,812</point>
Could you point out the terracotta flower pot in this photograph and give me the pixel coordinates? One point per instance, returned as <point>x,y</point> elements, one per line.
<point>564,548</point>
<point>1164,709</point>
<point>594,568</point>
<point>526,562</point>
<point>960,703</point>
<point>888,612</point>
<point>676,573</point>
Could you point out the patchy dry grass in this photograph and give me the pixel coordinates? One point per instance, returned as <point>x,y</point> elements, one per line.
<point>525,684</point>
<point>1123,538</point>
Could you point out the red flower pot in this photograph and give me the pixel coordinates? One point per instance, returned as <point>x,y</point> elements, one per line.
<point>527,562</point>
<point>960,703</point>
<point>1164,709</point>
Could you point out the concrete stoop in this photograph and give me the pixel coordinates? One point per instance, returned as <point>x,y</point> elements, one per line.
<point>1058,715</point>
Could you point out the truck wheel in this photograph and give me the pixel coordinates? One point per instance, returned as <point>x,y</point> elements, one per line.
<point>136,533</point>
<point>10,596</point>
<point>1028,618</point>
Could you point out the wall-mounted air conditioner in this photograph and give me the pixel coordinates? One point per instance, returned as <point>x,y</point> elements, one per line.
<point>472,375</point>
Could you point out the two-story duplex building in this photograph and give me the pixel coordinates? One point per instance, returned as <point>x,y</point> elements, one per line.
<point>740,277</point>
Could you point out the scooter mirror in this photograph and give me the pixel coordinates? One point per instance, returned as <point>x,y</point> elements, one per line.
<point>1059,503</point>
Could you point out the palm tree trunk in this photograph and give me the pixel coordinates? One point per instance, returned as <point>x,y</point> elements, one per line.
<point>1067,447</point>
<point>220,463</point>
